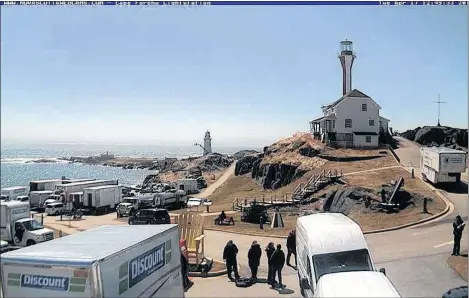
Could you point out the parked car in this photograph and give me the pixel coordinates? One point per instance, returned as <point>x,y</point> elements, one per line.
<point>460,292</point>
<point>22,198</point>
<point>150,217</point>
<point>50,201</point>
<point>55,208</point>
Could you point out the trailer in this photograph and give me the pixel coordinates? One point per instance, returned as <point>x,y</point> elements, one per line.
<point>442,165</point>
<point>107,262</point>
<point>15,191</point>
<point>43,185</point>
<point>66,189</point>
<point>172,198</point>
<point>101,199</point>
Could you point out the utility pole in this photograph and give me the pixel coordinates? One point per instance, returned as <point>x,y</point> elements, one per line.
<point>439,102</point>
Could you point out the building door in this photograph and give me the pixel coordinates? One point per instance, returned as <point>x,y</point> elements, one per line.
<point>90,200</point>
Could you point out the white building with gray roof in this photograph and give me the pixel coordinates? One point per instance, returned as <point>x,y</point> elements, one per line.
<point>353,120</point>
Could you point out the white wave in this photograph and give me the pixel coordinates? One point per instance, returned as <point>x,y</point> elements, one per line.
<point>31,160</point>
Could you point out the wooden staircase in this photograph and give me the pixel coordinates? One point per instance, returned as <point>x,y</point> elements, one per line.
<point>304,190</point>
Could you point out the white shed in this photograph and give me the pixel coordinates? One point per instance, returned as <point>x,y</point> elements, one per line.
<point>383,124</point>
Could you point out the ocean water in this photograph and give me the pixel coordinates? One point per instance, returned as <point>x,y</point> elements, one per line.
<point>18,168</point>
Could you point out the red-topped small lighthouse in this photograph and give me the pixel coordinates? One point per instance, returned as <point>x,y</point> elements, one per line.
<point>346,56</point>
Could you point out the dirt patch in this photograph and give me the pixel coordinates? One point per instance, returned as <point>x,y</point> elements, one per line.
<point>252,229</point>
<point>242,187</point>
<point>459,264</point>
<point>368,219</point>
<point>171,176</point>
<point>362,165</point>
<point>371,220</point>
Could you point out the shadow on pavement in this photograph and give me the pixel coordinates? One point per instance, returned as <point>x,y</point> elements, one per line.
<point>459,188</point>
<point>261,281</point>
<point>439,222</point>
<point>285,291</point>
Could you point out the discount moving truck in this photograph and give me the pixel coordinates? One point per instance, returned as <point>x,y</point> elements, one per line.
<point>108,261</point>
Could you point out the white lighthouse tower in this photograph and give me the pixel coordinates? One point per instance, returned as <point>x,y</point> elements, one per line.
<point>346,56</point>
<point>207,143</point>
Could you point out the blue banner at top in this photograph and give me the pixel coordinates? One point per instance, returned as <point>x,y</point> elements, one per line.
<point>251,3</point>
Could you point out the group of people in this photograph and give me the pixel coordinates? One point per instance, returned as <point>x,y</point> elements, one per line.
<point>275,260</point>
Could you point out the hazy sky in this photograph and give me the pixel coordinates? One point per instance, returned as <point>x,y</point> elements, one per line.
<point>248,74</point>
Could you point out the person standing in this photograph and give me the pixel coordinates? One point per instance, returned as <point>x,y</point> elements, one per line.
<point>458,227</point>
<point>291,247</point>
<point>187,283</point>
<point>269,250</point>
<point>229,256</point>
<point>254,259</point>
<point>278,261</point>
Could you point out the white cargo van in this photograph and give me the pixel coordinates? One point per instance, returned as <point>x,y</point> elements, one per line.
<point>101,199</point>
<point>15,191</point>
<point>355,284</point>
<point>18,228</point>
<point>132,261</point>
<point>440,165</point>
<point>328,243</point>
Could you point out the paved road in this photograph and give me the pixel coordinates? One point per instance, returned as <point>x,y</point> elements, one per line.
<point>414,258</point>
<point>410,152</point>
<point>211,189</point>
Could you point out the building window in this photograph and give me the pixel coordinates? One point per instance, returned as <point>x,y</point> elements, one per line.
<point>348,123</point>
<point>333,123</point>
<point>364,107</point>
<point>371,122</point>
<point>368,139</point>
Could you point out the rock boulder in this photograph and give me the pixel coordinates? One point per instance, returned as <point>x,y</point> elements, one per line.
<point>245,164</point>
<point>275,175</point>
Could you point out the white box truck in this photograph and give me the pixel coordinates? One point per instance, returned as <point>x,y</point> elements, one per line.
<point>107,261</point>
<point>15,191</point>
<point>38,197</point>
<point>101,199</point>
<point>18,228</point>
<point>441,165</point>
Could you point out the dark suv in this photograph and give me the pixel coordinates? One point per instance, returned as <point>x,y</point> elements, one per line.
<point>150,217</point>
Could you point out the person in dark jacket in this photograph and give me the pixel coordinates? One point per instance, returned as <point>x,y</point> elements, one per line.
<point>269,250</point>
<point>229,256</point>
<point>254,259</point>
<point>222,216</point>
<point>291,247</point>
<point>458,227</point>
<point>278,261</point>
<point>185,273</point>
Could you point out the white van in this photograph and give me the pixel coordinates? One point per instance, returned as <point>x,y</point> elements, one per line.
<point>329,243</point>
<point>355,284</point>
<point>55,208</point>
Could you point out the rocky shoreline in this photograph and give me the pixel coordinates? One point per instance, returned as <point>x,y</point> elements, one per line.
<point>209,163</point>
